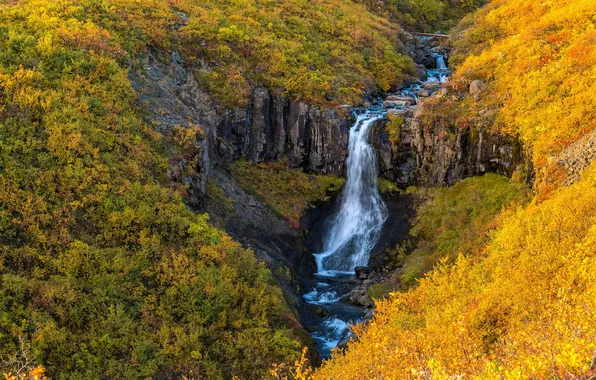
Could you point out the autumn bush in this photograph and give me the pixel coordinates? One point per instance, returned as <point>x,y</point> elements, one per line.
<point>526,309</point>
<point>538,59</point>
<point>104,271</point>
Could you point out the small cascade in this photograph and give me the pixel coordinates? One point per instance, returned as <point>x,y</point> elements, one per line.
<point>441,62</point>
<point>355,228</point>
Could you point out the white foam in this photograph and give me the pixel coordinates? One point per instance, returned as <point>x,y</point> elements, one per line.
<point>355,228</point>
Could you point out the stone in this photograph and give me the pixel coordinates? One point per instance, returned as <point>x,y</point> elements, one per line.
<point>477,88</point>
<point>424,93</point>
<point>396,98</point>
<point>404,112</point>
<point>318,310</point>
<point>432,86</point>
<point>343,344</point>
<point>362,273</point>
<point>368,282</point>
<point>391,104</point>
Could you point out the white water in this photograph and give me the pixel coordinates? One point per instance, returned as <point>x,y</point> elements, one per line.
<point>355,228</point>
<point>441,63</point>
<point>336,330</point>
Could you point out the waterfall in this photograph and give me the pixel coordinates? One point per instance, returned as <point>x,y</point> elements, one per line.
<point>441,62</point>
<point>355,228</point>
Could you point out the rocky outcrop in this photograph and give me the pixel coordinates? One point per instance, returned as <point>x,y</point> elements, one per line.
<point>269,127</point>
<point>435,154</point>
<point>576,157</point>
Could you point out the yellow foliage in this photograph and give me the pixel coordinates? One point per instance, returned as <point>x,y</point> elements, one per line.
<point>36,373</point>
<point>525,310</point>
<point>540,60</point>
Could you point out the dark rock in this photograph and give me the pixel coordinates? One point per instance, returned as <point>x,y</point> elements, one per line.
<point>343,344</point>
<point>318,310</point>
<point>362,273</point>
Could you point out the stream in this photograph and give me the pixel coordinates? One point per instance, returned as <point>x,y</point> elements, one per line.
<point>354,229</point>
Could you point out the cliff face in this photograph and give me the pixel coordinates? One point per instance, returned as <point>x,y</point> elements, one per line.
<point>434,154</point>
<point>267,128</point>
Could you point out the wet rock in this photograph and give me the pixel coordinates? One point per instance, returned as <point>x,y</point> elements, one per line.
<point>359,296</point>
<point>410,101</point>
<point>432,86</point>
<point>477,88</point>
<point>398,103</point>
<point>318,310</point>
<point>362,273</point>
<point>343,344</point>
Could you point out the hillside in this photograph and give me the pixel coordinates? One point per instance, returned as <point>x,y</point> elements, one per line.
<point>519,304</point>
<point>168,170</point>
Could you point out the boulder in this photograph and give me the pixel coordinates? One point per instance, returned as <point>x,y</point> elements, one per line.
<point>396,98</point>
<point>477,88</point>
<point>362,273</point>
<point>343,344</point>
<point>391,104</point>
<point>432,86</point>
<point>318,310</point>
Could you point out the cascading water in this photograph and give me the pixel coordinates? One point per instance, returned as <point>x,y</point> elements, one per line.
<point>355,228</point>
<point>441,62</point>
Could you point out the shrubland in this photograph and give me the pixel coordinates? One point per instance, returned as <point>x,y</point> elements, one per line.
<point>104,272</point>
<point>453,221</point>
<point>538,59</point>
<point>424,15</point>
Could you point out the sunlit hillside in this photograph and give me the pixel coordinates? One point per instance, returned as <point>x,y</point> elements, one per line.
<point>523,304</point>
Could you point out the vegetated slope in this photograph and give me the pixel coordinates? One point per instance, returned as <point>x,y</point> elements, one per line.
<point>316,51</point>
<point>538,59</point>
<point>286,191</point>
<point>523,304</point>
<point>424,15</point>
<point>453,221</point>
<point>104,272</point>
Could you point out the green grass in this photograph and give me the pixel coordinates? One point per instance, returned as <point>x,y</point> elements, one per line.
<point>286,191</point>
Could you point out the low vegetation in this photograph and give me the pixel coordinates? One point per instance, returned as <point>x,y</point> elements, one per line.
<point>104,272</point>
<point>538,61</point>
<point>453,221</point>
<point>525,308</point>
<point>424,15</point>
<point>286,191</point>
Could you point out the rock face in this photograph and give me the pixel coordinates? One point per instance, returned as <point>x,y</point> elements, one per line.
<point>431,155</point>
<point>576,157</point>
<point>267,128</point>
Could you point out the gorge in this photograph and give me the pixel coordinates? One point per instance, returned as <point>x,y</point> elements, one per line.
<point>304,190</point>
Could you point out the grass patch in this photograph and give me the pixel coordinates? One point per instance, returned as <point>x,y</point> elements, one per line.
<point>453,221</point>
<point>286,191</point>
